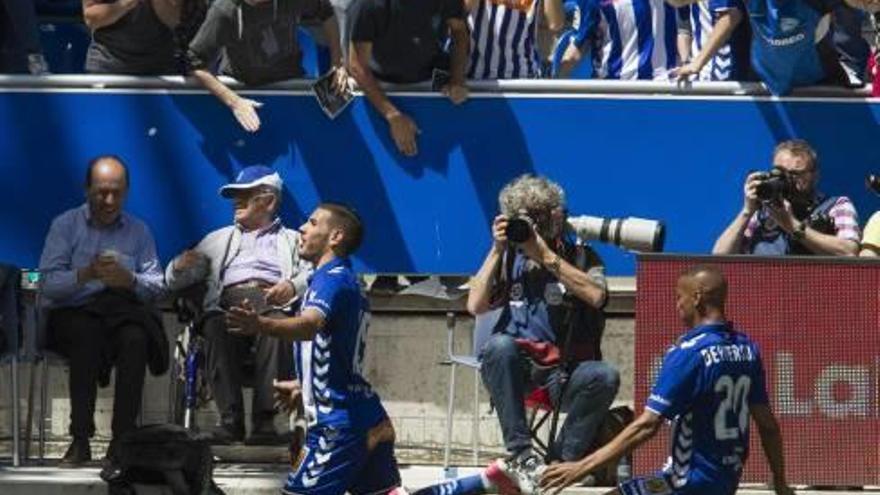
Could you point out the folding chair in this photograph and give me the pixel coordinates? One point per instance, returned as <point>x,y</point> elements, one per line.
<point>35,333</point>
<point>537,402</point>
<point>10,277</point>
<point>483,325</point>
<point>36,336</point>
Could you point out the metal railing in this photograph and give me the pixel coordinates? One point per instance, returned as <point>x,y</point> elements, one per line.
<point>478,88</point>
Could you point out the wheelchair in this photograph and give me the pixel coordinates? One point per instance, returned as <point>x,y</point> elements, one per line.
<point>188,386</point>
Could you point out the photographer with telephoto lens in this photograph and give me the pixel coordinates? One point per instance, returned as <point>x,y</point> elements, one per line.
<point>783,212</point>
<point>549,293</point>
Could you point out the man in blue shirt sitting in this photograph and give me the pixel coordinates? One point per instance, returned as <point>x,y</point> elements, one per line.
<point>100,275</point>
<point>711,383</point>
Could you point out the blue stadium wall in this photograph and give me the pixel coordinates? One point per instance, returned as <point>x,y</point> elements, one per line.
<point>679,159</point>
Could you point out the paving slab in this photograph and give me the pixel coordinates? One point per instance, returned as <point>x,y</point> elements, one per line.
<point>259,479</point>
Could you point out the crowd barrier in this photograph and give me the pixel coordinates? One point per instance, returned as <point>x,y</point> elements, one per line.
<point>645,149</point>
<point>816,323</point>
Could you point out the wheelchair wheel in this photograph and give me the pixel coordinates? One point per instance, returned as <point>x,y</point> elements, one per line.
<point>176,386</point>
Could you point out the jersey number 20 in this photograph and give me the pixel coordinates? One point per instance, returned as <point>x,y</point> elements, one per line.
<point>734,400</point>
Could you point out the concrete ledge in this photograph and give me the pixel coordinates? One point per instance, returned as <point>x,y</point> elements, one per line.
<point>621,300</point>
<point>253,479</point>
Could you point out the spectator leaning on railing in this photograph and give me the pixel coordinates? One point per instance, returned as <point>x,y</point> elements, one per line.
<point>131,36</point>
<point>400,41</point>
<point>718,39</point>
<point>257,40</point>
<point>852,48</point>
<point>628,40</point>
<point>20,49</point>
<point>785,214</point>
<point>791,45</point>
<point>509,49</point>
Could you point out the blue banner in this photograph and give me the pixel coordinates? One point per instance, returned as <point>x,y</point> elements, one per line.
<point>678,159</point>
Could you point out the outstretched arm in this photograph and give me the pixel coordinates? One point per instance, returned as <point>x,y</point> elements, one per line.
<point>726,23</point>
<point>403,128</point>
<point>244,109</point>
<point>771,442</point>
<point>297,328</point>
<point>559,476</point>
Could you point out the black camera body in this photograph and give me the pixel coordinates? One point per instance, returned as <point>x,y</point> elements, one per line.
<point>519,229</point>
<point>873,183</point>
<point>774,186</point>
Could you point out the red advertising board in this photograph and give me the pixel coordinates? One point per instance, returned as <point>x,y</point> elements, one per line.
<point>816,322</point>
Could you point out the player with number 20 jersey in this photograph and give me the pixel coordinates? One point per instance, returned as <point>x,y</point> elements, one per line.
<point>708,381</point>
<point>710,385</point>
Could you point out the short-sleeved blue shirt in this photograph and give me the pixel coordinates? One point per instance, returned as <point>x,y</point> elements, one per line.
<point>708,380</point>
<point>330,366</point>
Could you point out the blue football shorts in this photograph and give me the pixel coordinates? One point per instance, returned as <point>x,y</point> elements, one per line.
<point>336,461</point>
<point>656,484</point>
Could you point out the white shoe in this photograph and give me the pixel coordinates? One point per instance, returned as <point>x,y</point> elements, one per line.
<point>500,475</point>
<point>527,470</point>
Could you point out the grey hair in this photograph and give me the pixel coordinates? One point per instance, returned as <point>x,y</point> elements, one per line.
<point>536,195</point>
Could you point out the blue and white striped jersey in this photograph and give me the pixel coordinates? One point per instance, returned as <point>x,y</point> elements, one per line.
<point>706,384</point>
<point>630,39</point>
<point>329,367</point>
<point>731,62</point>
<point>503,39</point>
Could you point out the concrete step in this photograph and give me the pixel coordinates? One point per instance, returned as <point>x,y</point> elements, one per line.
<point>251,479</point>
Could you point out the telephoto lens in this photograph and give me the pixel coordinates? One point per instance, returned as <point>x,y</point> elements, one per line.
<point>635,234</point>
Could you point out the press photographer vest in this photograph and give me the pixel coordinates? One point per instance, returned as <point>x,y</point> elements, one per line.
<point>537,307</point>
<point>769,240</point>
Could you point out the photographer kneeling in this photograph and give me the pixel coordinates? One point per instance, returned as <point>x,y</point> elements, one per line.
<point>783,213</point>
<point>544,285</point>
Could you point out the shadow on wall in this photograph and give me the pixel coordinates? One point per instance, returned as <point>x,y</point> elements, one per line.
<point>476,134</point>
<point>844,165</point>
<point>351,159</point>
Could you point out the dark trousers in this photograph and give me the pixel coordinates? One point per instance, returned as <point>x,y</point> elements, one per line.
<point>509,376</point>
<point>93,344</point>
<point>225,353</point>
<point>20,35</point>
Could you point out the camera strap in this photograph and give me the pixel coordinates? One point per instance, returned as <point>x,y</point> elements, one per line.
<point>571,322</point>
<point>823,208</point>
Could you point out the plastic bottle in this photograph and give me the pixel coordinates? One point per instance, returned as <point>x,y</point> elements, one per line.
<point>624,469</point>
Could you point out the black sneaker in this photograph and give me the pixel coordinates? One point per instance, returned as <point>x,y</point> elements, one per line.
<point>265,434</point>
<point>79,453</point>
<point>225,434</point>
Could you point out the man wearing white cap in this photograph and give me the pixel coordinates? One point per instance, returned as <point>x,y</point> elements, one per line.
<point>255,255</point>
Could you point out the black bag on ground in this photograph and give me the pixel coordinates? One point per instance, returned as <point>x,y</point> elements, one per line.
<point>615,421</point>
<point>163,454</point>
